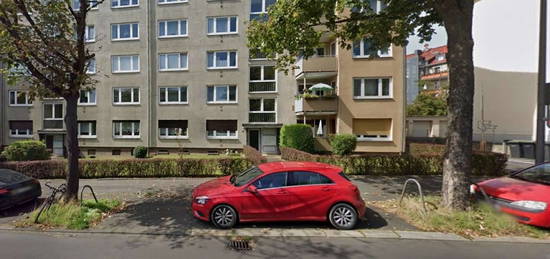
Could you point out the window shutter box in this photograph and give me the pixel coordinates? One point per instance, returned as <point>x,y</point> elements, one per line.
<point>372,126</point>
<point>221,125</point>
<point>178,124</point>
<point>20,125</point>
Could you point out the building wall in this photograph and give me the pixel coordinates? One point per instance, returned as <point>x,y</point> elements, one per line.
<point>393,108</point>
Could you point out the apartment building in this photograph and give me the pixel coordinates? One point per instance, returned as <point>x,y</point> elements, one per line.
<point>427,70</point>
<point>177,75</point>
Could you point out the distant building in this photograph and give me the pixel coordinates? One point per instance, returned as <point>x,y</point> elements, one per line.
<point>427,70</point>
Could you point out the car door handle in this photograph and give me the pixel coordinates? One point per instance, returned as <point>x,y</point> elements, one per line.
<point>326,189</point>
<point>282,192</point>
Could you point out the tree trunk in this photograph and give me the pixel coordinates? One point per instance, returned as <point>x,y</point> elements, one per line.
<point>73,151</point>
<point>457,165</point>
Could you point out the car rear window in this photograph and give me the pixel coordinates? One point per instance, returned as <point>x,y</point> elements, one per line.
<point>344,176</point>
<point>307,178</point>
<point>10,177</point>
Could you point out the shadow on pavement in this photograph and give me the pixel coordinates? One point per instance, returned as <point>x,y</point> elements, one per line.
<point>18,211</point>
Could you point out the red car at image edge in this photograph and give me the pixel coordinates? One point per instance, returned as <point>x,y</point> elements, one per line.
<point>280,191</point>
<point>524,194</point>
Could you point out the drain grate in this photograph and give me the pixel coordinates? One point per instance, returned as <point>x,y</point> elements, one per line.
<point>239,245</point>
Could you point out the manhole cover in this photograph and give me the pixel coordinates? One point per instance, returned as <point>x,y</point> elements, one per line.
<point>239,245</point>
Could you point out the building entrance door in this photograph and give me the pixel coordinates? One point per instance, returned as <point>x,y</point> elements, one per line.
<point>254,138</point>
<point>269,141</point>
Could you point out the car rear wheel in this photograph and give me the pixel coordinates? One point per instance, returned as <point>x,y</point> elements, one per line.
<point>224,216</point>
<point>343,216</point>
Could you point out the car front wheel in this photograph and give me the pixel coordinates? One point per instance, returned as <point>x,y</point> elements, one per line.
<point>224,216</point>
<point>343,216</point>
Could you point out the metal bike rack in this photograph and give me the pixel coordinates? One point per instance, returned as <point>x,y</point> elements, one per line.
<point>82,192</point>
<point>419,192</point>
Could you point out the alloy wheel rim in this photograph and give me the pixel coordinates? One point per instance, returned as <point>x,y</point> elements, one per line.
<point>223,216</point>
<point>343,216</point>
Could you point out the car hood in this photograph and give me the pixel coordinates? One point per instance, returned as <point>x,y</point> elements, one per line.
<point>214,187</point>
<point>516,189</point>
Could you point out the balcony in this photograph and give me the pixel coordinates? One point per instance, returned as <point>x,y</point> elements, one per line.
<point>262,117</point>
<point>262,87</point>
<point>319,105</point>
<point>316,67</point>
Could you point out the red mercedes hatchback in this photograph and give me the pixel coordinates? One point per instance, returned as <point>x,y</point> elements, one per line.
<point>280,191</point>
<point>525,194</point>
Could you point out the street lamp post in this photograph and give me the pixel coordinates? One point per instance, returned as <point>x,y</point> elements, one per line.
<point>541,98</point>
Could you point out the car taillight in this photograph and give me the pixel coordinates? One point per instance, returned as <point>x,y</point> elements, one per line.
<point>4,191</point>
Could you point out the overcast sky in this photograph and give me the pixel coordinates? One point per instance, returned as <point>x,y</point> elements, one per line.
<point>505,35</point>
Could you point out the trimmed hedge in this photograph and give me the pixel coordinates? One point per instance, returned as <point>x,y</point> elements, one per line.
<point>26,150</point>
<point>297,136</point>
<point>343,144</point>
<point>492,164</point>
<point>253,155</point>
<point>133,167</point>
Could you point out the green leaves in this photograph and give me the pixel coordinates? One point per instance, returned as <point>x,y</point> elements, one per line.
<point>428,105</point>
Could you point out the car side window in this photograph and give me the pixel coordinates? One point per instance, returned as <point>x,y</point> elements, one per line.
<point>307,178</point>
<point>271,181</point>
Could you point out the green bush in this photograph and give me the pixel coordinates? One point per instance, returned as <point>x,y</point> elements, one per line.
<point>26,150</point>
<point>343,144</point>
<point>157,167</point>
<point>297,136</point>
<point>140,152</point>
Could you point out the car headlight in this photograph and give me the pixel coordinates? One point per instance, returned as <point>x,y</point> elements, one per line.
<point>201,200</point>
<point>530,205</point>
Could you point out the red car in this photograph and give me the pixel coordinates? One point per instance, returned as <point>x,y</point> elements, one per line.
<point>280,191</point>
<point>524,194</point>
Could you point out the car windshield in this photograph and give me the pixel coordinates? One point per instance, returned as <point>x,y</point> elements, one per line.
<point>537,174</point>
<point>9,177</point>
<point>246,176</point>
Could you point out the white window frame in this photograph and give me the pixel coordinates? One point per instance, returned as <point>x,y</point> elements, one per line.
<point>215,21</point>
<point>53,112</point>
<point>16,93</point>
<point>228,136</point>
<point>362,53</point>
<point>123,6</point>
<point>180,54</point>
<point>380,85</point>
<point>88,93</point>
<point>264,9</point>
<point>262,109</point>
<point>91,67</point>
<point>87,33</point>
<point>263,80</point>
<point>161,2</point>
<point>133,136</point>
<point>214,55</point>
<point>378,138</point>
<point>179,28</point>
<point>117,58</point>
<point>74,2</point>
<point>119,93</point>
<point>80,135</point>
<point>20,133</point>
<point>215,101</point>
<point>179,95</point>
<point>131,31</point>
<point>180,136</point>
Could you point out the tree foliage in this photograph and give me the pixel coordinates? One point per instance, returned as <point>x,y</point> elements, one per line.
<point>427,105</point>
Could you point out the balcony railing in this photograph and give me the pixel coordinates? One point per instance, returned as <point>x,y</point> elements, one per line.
<point>318,104</point>
<point>262,117</point>
<point>53,124</point>
<point>258,87</point>
<point>316,64</point>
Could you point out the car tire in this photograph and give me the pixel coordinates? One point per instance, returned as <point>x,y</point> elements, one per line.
<point>343,216</point>
<point>224,216</point>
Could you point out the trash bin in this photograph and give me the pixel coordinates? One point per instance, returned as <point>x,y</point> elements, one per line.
<point>514,149</point>
<point>527,150</point>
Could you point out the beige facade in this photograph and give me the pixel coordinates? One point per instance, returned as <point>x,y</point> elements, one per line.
<point>132,106</point>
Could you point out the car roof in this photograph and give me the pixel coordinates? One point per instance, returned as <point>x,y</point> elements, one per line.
<point>298,165</point>
<point>8,176</point>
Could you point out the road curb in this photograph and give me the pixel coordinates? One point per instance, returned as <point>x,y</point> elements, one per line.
<point>331,233</point>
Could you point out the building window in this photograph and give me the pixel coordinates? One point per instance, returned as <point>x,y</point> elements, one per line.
<point>86,129</point>
<point>258,9</point>
<point>91,67</point>
<point>222,94</point>
<point>262,110</point>
<point>126,129</point>
<point>87,97</point>
<point>372,88</point>
<point>222,25</point>
<point>124,31</point>
<point>93,4</point>
<point>172,1</point>
<point>173,95</point>
<point>363,49</point>
<point>372,129</point>
<point>20,98</point>
<point>173,28</point>
<point>173,128</point>
<point>262,79</point>
<point>255,54</point>
<point>173,61</point>
<point>125,96</point>
<point>124,3</point>
<point>222,59</point>
<point>53,115</point>
<point>375,6</point>
<point>20,129</point>
<point>221,129</point>
<point>125,64</point>
<point>89,33</point>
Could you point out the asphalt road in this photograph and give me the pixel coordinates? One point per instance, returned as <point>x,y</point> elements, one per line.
<point>41,245</point>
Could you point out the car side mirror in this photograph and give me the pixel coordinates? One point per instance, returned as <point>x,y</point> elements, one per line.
<point>251,189</point>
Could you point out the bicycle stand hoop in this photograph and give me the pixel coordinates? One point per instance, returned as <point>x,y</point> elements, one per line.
<point>419,192</point>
